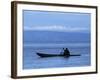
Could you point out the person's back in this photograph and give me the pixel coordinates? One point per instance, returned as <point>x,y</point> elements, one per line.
<point>66,52</point>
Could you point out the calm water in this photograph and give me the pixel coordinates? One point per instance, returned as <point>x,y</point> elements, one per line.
<point>32,60</point>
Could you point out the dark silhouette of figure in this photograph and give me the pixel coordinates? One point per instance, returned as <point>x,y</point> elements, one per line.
<point>66,52</point>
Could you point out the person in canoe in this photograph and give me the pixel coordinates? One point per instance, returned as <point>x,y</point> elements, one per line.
<point>66,52</point>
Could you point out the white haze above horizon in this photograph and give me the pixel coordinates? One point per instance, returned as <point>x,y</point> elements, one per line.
<point>56,28</point>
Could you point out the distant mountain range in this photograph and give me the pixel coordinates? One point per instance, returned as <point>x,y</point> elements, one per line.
<point>55,37</point>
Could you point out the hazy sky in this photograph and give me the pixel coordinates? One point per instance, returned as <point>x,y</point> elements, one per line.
<point>56,21</point>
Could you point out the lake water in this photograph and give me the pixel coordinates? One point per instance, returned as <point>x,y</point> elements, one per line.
<point>32,61</point>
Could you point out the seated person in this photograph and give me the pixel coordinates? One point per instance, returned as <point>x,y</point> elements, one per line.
<point>66,52</point>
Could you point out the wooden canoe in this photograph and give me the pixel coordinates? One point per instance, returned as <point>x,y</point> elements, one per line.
<point>53,55</point>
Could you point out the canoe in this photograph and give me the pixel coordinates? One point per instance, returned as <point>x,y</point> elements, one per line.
<point>48,55</point>
<point>53,55</point>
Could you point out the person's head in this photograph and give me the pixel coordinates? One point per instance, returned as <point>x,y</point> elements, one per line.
<point>66,48</point>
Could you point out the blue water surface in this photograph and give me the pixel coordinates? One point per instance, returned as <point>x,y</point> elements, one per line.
<point>32,60</point>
